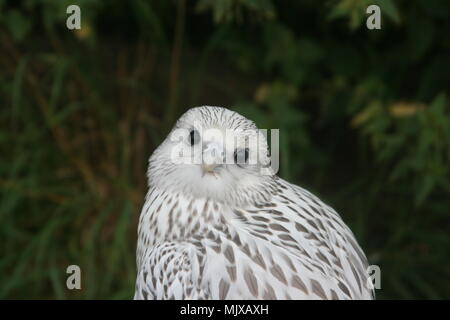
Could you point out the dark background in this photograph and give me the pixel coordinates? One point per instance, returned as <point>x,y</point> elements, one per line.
<point>364,118</point>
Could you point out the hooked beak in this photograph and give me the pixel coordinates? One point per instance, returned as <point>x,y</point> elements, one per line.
<point>209,168</point>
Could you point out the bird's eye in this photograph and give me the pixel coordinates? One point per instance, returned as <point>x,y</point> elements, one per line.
<point>241,156</point>
<point>194,137</point>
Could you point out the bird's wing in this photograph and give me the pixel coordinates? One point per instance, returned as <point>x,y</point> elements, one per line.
<point>309,228</point>
<point>292,247</point>
<point>169,271</point>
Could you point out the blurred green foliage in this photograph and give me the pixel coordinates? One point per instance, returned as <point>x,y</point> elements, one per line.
<point>363,115</point>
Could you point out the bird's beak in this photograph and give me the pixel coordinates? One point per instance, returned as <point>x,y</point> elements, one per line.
<point>212,157</point>
<point>209,168</point>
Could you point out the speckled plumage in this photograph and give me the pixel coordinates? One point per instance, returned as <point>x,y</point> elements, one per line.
<point>240,234</point>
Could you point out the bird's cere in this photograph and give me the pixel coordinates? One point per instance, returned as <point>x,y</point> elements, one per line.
<point>218,223</point>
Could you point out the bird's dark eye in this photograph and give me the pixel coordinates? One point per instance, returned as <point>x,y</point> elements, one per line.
<point>194,137</point>
<point>241,156</point>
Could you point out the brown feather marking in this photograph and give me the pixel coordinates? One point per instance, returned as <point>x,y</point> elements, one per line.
<point>252,283</point>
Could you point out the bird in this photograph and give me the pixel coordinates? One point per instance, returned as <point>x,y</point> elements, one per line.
<point>218,223</point>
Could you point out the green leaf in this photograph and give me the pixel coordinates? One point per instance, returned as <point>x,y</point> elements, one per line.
<point>425,189</point>
<point>18,25</point>
<point>438,104</point>
<point>390,9</point>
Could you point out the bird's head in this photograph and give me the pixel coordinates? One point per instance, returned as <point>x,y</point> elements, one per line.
<point>215,153</point>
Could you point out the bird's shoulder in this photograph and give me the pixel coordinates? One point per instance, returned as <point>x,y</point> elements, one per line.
<point>299,222</point>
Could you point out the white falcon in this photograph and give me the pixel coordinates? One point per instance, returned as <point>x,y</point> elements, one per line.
<point>212,228</point>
